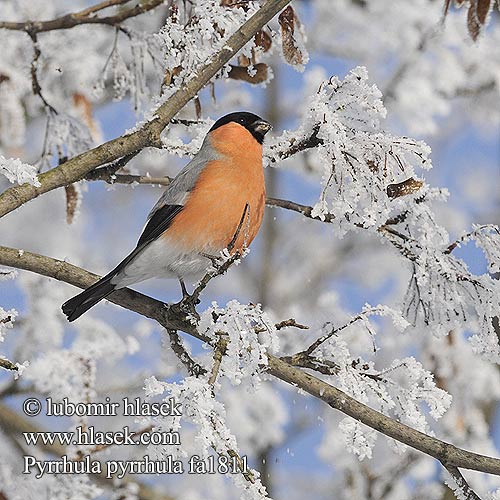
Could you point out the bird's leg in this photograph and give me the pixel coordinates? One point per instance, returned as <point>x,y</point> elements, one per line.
<point>188,302</point>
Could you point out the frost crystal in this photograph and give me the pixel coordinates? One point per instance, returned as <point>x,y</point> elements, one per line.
<point>359,160</point>
<point>6,321</point>
<point>488,239</point>
<point>359,439</point>
<point>208,416</point>
<point>250,335</point>
<point>17,171</point>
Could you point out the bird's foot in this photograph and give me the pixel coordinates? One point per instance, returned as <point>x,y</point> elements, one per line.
<point>188,303</point>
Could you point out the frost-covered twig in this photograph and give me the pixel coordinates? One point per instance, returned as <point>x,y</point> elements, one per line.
<point>462,491</point>
<point>191,365</point>
<point>468,236</point>
<point>129,179</point>
<point>305,210</point>
<point>85,16</point>
<point>219,351</point>
<point>8,365</point>
<point>333,332</point>
<point>154,309</point>
<point>294,146</point>
<point>149,135</point>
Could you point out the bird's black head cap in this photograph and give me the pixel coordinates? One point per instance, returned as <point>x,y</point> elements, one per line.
<point>257,126</point>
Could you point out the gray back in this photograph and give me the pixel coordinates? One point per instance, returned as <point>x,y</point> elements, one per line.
<point>178,190</point>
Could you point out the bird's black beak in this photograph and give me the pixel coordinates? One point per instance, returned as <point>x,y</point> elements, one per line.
<point>261,127</point>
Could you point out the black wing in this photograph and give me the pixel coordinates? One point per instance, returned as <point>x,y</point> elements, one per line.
<point>160,221</point>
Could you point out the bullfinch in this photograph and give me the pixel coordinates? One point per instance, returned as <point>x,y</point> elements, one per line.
<point>199,214</point>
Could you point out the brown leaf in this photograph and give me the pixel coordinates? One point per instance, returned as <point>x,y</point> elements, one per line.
<point>263,40</point>
<point>287,20</point>
<point>408,186</point>
<point>483,8</point>
<point>241,73</point>
<point>84,108</point>
<point>473,24</point>
<point>244,61</point>
<point>4,78</point>
<point>372,165</point>
<point>235,3</point>
<point>170,74</point>
<point>476,16</point>
<point>72,202</point>
<point>212,92</point>
<point>197,107</point>
<point>174,12</point>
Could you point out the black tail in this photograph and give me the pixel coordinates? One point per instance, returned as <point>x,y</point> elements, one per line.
<point>157,224</point>
<point>76,306</point>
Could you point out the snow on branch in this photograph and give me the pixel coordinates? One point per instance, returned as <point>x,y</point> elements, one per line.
<point>249,335</point>
<point>18,172</point>
<point>6,321</point>
<point>360,161</point>
<point>203,411</point>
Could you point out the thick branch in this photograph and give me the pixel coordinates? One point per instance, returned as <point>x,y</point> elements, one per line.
<point>149,135</point>
<point>446,453</point>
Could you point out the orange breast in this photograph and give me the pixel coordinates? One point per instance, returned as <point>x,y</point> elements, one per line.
<point>214,209</point>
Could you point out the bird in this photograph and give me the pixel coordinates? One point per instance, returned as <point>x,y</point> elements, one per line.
<point>215,202</point>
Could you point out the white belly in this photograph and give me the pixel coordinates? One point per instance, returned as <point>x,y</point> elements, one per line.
<point>161,260</point>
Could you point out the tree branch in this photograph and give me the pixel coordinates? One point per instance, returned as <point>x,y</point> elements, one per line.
<point>149,135</point>
<point>8,365</point>
<point>444,452</point>
<point>85,16</point>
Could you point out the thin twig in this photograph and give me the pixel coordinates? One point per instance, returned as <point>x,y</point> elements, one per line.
<point>219,352</point>
<point>83,17</point>
<point>287,323</point>
<point>108,171</point>
<point>8,365</point>
<point>467,493</point>
<point>35,83</point>
<point>191,365</point>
